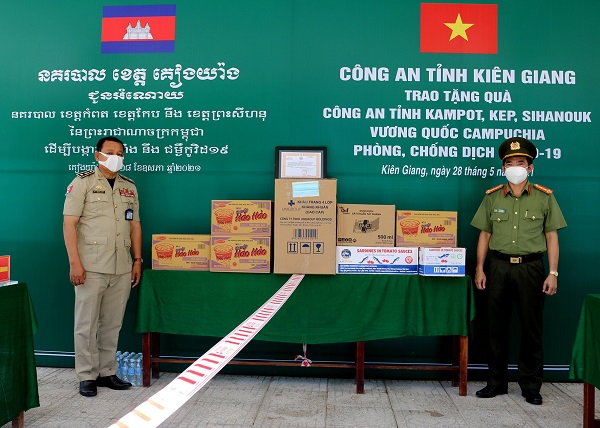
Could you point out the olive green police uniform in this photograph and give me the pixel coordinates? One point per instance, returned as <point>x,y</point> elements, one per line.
<point>515,273</point>
<point>104,244</point>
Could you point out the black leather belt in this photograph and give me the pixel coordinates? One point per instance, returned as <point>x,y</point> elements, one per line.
<point>517,259</point>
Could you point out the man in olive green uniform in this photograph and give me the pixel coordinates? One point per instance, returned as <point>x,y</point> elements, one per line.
<point>101,229</point>
<point>518,223</point>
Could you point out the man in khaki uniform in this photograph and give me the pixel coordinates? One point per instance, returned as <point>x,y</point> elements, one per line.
<point>101,229</point>
<point>518,222</point>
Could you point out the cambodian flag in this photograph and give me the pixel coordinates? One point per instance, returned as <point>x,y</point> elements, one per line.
<point>138,29</point>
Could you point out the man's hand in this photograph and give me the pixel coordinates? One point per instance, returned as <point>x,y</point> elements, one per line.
<point>136,274</point>
<point>479,279</point>
<point>77,274</point>
<point>550,285</point>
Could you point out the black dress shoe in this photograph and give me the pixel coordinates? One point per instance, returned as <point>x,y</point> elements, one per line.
<point>491,391</point>
<point>533,397</point>
<point>112,382</point>
<point>87,388</point>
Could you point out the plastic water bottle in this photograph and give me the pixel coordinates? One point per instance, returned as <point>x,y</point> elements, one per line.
<point>131,370</point>
<point>138,371</point>
<point>124,367</point>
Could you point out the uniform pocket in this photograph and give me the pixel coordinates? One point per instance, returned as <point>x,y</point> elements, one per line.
<point>499,216</point>
<point>94,245</point>
<point>534,222</point>
<point>96,202</point>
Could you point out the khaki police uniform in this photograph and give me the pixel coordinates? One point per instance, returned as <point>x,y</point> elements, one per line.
<point>515,274</point>
<point>104,245</point>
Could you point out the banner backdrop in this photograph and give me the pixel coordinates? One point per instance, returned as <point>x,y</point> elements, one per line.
<point>411,100</point>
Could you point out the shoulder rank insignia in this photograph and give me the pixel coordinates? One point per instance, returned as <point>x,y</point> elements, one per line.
<point>126,178</point>
<point>84,174</point>
<point>493,189</point>
<point>543,189</point>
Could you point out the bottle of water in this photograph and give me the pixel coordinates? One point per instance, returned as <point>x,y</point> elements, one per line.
<point>131,370</point>
<point>124,367</point>
<point>138,371</point>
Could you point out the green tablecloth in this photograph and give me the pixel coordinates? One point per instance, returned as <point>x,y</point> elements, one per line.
<point>324,309</point>
<point>585,361</point>
<point>18,376</point>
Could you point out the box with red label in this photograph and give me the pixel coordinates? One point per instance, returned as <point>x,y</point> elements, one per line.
<point>180,252</point>
<point>390,260</point>
<point>4,268</point>
<point>426,228</point>
<point>442,261</point>
<point>247,254</point>
<point>241,217</point>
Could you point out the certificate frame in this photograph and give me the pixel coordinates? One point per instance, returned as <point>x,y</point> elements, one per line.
<point>300,162</point>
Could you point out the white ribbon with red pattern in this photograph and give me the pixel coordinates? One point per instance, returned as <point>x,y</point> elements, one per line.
<point>152,412</point>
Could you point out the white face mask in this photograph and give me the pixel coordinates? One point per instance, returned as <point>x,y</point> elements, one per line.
<point>516,174</point>
<point>113,162</point>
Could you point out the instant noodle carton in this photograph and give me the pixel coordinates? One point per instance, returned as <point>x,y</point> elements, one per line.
<point>304,217</point>
<point>247,254</point>
<point>241,217</point>
<point>426,228</point>
<point>390,260</point>
<point>366,225</point>
<point>180,252</point>
<point>442,261</point>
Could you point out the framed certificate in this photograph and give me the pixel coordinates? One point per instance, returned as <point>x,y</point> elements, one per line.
<point>300,162</point>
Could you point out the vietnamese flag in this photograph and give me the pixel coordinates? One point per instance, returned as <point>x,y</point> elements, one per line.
<point>138,29</point>
<point>459,28</point>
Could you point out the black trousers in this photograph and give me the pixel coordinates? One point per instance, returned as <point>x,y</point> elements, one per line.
<point>519,285</point>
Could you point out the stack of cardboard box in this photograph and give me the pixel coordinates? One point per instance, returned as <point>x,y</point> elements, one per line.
<point>241,236</point>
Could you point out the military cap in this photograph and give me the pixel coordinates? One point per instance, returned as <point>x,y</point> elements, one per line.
<point>517,146</point>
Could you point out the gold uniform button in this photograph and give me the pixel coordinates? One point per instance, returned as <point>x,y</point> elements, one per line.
<point>533,217</point>
<point>516,213</point>
<point>94,242</point>
<point>498,219</point>
<point>513,242</point>
<point>515,227</point>
<point>98,198</point>
<point>115,206</point>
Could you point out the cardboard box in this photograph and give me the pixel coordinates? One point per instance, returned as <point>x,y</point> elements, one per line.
<point>304,217</point>
<point>366,225</point>
<point>426,228</point>
<point>242,217</point>
<point>390,260</point>
<point>180,252</point>
<point>442,261</point>
<point>247,254</point>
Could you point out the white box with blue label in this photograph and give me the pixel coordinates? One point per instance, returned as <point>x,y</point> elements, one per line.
<point>386,260</point>
<point>443,261</point>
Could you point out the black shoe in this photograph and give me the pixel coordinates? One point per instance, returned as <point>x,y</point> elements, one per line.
<point>87,388</point>
<point>533,397</point>
<point>491,391</point>
<point>113,382</point>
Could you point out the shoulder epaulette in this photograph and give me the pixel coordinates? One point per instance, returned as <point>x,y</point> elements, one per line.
<point>126,178</point>
<point>84,174</point>
<point>493,189</point>
<point>543,189</point>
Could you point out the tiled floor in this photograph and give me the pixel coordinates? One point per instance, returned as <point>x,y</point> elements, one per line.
<point>279,402</point>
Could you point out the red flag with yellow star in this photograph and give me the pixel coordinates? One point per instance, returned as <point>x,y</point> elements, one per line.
<point>459,28</point>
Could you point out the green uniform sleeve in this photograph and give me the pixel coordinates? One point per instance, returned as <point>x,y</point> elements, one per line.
<point>481,219</point>
<point>554,219</point>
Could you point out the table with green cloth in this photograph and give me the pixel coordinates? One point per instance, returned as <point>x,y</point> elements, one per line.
<point>18,376</point>
<point>585,363</point>
<point>324,309</point>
